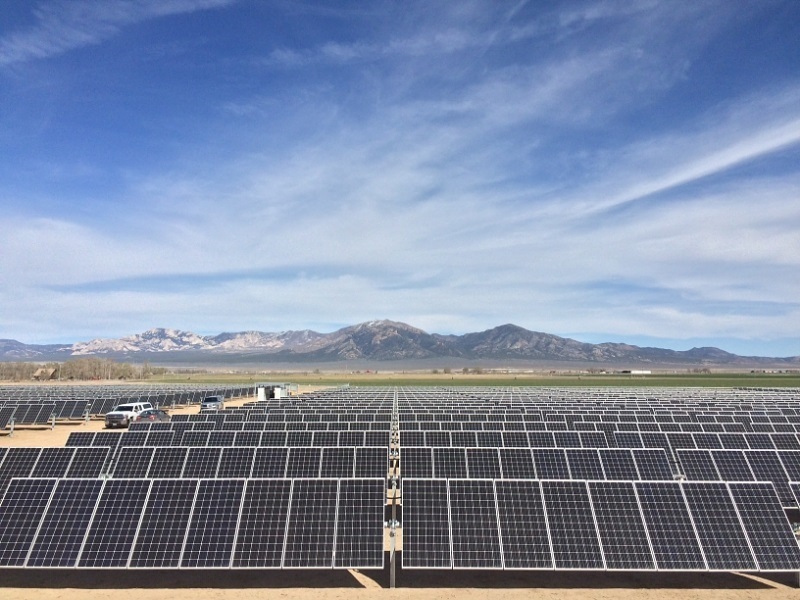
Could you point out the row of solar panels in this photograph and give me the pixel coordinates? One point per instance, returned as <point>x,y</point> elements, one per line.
<point>472,412</point>
<point>595,525</point>
<point>38,410</point>
<point>193,462</point>
<point>776,466</point>
<point>598,439</point>
<point>45,393</point>
<point>534,463</point>
<point>177,437</point>
<point>192,523</point>
<point>256,423</point>
<point>734,427</point>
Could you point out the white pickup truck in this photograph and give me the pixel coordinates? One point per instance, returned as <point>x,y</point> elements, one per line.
<point>125,414</point>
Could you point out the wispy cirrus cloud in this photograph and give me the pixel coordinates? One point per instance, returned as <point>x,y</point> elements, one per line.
<point>63,25</point>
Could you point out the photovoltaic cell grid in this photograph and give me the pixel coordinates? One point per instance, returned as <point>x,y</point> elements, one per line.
<point>594,525</point>
<point>191,523</point>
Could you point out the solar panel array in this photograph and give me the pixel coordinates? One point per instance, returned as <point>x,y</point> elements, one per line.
<point>583,479</point>
<point>240,490</point>
<point>597,479</point>
<point>192,523</point>
<point>39,404</point>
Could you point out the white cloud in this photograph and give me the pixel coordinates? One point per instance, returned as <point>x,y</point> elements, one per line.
<point>65,25</point>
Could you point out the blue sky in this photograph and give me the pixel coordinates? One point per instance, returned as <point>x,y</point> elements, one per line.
<point>609,171</point>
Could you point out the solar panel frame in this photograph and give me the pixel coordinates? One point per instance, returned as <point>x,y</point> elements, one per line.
<point>236,462</point>
<point>112,531</point>
<point>261,534</point>
<point>620,525</point>
<point>673,537</point>
<point>771,538</point>
<point>524,529</point>
<point>426,524</point>
<point>202,462</point>
<point>584,463</point>
<point>21,511</point>
<point>550,463</point>
<point>310,531</point>
<point>211,534</point>
<point>359,524</point>
<point>89,461</point>
<point>65,522</point>
<point>573,529</point>
<point>165,521</point>
<point>719,529</point>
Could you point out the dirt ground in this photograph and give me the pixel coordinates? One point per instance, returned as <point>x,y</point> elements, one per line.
<point>70,584</point>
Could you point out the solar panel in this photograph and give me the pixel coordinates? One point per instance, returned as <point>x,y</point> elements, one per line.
<point>572,528</point>
<point>201,462</point>
<point>372,461</point>
<point>515,439</point>
<point>270,461</point>
<point>584,463</point>
<point>732,465</point>
<point>790,459</point>
<point>718,527</point>
<point>771,538</point>
<point>672,536</point>
<point>262,525</point>
<point>248,438</point>
<point>163,529</point>
<point>212,529</point>
<point>159,437</point>
<point>619,523</point>
<point>767,466</point>
<point>697,465</point>
<point>618,463</point>
<point>64,524</point>
<point>483,463</point>
<point>551,463</point>
<point>338,462</point>
<point>53,462</point>
<point>195,437</point>
<point>221,438</point>
<point>113,528</point>
<point>416,462</point>
<point>426,524</point>
<point>437,438</point>
<point>80,438</point>
<point>449,463</point>
<point>474,525</point>
<point>88,462</point>
<point>236,462</point>
<point>133,461</point>
<point>359,524</point>
<point>652,463</point>
<point>541,439</point>
<point>567,439</point>
<point>593,439</point>
<point>18,462</point>
<point>311,527</point>
<point>21,511</point>
<point>517,463</point>
<point>523,525</point>
<point>304,461</point>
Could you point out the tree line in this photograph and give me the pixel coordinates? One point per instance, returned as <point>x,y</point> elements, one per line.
<point>79,369</point>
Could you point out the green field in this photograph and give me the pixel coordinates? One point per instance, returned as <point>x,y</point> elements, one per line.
<point>723,380</point>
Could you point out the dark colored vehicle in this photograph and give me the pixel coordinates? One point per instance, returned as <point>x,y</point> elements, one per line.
<point>154,415</point>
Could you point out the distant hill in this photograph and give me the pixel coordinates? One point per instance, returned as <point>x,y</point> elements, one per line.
<point>375,341</point>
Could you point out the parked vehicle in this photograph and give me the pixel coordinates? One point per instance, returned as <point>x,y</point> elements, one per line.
<point>125,414</point>
<point>212,403</point>
<point>154,415</point>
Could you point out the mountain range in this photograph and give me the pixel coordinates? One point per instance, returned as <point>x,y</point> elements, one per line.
<point>374,341</point>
